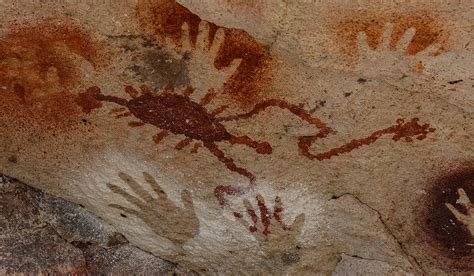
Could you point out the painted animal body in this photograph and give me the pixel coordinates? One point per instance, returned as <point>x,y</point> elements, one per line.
<point>179,115</point>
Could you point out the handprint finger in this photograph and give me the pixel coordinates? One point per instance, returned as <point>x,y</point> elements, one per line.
<point>278,205</point>
<point>463,198</point>
<point>185,37</point>
<point>265,216</point>
<point>430,50</point>
<point>169,42</point>
<point>125,209</point>
<point>135,187</point>
<point>117,190</point>
<point>154,185</point>
<point>459,216</point>
<point>250,211</point>
<point>217,42</point>
<point>386,37</point>
<point>230,70</point>
<point>252,215</point>
<point>202,40</point>
<point>241,220</point>
<point>187,200</point>
<point>298,223</point>
<point>406,39</point>
<point>362,43</point>
<point>278,210</point>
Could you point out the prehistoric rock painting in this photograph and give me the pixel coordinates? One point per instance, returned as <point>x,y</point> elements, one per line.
<point>203,44</point>
<point>179,114</point>
<point>382,56</point>
<point>410,32</point>
<point>447,219</point>
<point>468,218</point>
<point>246,87</point>
<point>401,129</point>
<point>165,218</point>
<point>38,72</point>
<point>277,240</point>
<point>202,56</point>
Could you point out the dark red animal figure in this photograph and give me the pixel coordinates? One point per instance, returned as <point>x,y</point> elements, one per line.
<point>179,114</point>
<point>400,130</point>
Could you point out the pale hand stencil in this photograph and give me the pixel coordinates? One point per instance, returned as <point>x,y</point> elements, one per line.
<point>165,218</point>
<point>201,58</point>
<point>391,62</point>
<point>468,219</point>
<point>276,239</point>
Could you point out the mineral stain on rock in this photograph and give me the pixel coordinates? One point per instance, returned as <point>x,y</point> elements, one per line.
<point>152,63</point>
<point>38,72</point>
<point>429,30</point>
<point>450,237</point>
<point>164,18</point>
<point>161,69</point>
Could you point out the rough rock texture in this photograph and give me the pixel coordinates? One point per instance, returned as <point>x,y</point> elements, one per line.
<point>251,136</point>
<point>45,234</point>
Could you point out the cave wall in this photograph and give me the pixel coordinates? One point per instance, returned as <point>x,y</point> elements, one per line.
<point>251,136</point>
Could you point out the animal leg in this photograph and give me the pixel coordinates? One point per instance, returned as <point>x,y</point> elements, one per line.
<point>126,114</point>
<point>160,136</point>
<point>117,110</point>
<point>183,143</point>
<point>136,124</point>
<point>131,91</point>
<point>260,147</point>
<point>145,89</point>
<point>196,147</point>
<point>260,107</point>
<point>229,162</point>
<point>188,91</point>
<point>208,97</point>
<point>219,110</point>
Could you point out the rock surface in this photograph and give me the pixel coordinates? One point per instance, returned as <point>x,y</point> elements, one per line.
<point>43,234</point>
<point>250,137</point>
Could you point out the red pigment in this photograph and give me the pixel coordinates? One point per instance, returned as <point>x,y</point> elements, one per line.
<point>39,73</point>
<point>298,111</point>
<point>400,130</point>
<point>196,147</point>
<point>277,212</point>
<point>430,29</point>
<point>221,191</point>
<point>177,114</point>
<point>265,215</point>
<point>165,19</point>
<point>87,100</point>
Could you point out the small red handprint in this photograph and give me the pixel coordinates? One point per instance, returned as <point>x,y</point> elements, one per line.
<point>277,240</point>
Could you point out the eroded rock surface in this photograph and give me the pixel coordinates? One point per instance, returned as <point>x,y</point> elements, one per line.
<point>250,136</point>
<point>45,234</point>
